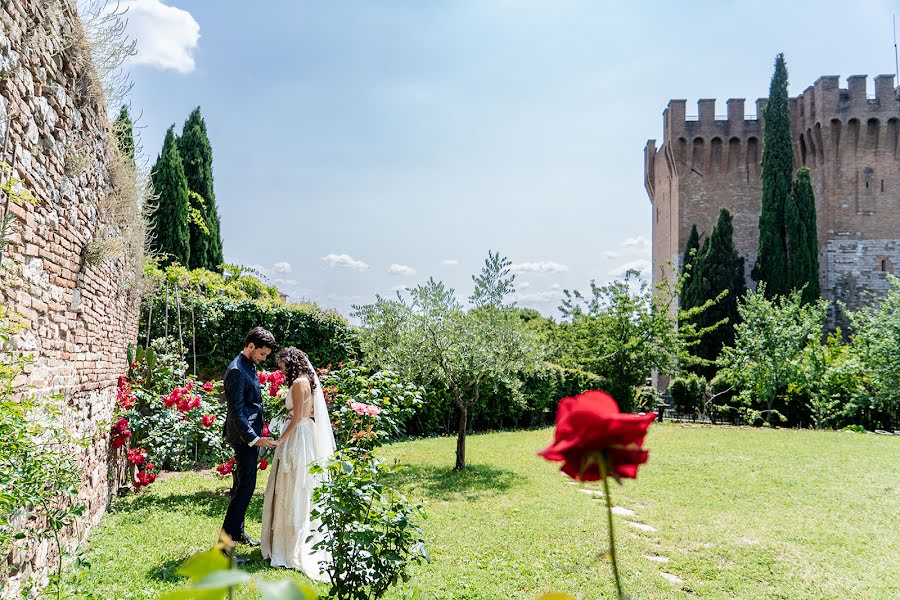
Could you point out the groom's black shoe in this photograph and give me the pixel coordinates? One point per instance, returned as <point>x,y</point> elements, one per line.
<point>238,560</point>
<point>246,539</point>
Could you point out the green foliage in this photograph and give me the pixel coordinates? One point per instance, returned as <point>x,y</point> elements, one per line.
<point>123,128</point>
<point>769,343</point>
<point>433,340</point>
<point>776,176</point>
<point>396,400</point>
<point>226,306</point>
<point>39,476</point>
<point>803,238</point>
<point>647,399</point>
<point>11,189</point>
<point>213,576</point>
<point>691,248</point>
<point>831,383</point>
<point>196,155</point>
<point>174,439</point>
<point>494,283</point>
<point>688,394</point>
<point>716,273</point>
<point>372,534</point>
<point>170,218</point>
<point>622,332</point>
<point>876,345</point>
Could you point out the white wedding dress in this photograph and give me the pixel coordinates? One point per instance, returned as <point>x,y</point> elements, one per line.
<point>288,532</point>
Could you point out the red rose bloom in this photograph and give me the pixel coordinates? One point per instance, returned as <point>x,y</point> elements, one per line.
<point>208,420</point>
<point>208,387</point>
<point>263,377</point>
<point>263,464</point>
<point>265,430</point>
<point>137,456</point>
<point>189,386</point>
<point>590,426</point>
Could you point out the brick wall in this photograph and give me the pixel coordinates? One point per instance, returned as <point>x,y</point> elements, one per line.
<point>848,140</point>
<point>78,319</point>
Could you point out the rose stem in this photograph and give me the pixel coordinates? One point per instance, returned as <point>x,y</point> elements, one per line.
<point>612,541</point>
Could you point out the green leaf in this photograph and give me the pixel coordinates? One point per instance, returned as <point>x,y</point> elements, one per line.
<point>202,564</point>
<point>284,589</point>
<point>223,580</point>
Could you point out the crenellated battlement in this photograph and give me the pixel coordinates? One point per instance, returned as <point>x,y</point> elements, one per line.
<point>706,123</point>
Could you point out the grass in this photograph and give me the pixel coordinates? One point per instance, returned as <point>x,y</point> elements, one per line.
<point>740,513</point>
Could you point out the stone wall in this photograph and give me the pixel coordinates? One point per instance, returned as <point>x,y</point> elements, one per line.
<point>79,316</point>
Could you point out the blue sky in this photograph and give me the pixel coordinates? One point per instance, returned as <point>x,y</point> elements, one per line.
<point>360,146</point>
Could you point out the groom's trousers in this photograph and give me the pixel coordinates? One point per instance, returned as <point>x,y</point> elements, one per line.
<point>244,476</point>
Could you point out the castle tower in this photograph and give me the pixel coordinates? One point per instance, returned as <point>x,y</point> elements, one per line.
<point>848,140</point>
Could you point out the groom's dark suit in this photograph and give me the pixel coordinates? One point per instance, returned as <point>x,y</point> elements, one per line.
<point>243,426</point>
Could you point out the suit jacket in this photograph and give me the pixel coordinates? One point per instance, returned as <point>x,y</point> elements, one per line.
<point>244,418</point>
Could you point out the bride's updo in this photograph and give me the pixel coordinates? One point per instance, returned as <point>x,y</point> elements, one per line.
<point>296,363</point>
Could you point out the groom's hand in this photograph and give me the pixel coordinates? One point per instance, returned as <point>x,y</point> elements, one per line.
<point>266,442</point>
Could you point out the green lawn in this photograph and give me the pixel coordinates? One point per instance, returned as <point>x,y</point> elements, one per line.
<point>739,513</point>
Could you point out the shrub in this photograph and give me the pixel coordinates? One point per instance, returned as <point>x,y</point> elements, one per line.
<point>688,394</point>
<point>372,535</point>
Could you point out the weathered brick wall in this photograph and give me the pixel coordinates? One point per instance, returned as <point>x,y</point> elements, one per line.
<point>78,318</point>
<point>848,140</point>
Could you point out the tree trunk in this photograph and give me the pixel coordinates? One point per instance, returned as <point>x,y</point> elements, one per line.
<point>461,436</point>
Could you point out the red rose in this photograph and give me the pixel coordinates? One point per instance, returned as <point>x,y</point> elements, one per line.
<point>123,381</point>
<point>208,420</point>
<point>137,456</point>
<point>189,386</point>
<point>589,427</point>
<point>208,387</point>
<point>263,464</point>
<point>265,430</point>
<point>263,377</point>
<point>149,466</point>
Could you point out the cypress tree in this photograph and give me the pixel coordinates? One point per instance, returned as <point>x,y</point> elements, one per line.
<point>802,238</point>
<point>776,175</point>
<point>196,154</point>
<point>690,249</point>
<point>717,268</point>
<point>123,128</point>
<point>169,221</point>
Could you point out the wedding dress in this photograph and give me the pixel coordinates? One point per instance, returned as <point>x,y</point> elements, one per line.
<point>288,531</point>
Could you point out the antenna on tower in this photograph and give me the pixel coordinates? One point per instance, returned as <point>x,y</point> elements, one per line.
<point>896,61</point>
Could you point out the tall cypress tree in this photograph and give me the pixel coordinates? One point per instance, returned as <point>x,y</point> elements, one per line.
<point>196,154</point>
<point>777,173</point>
<point>690,249</point>
<point>717,268</point>
<point>123,127</point>
<point>171,234</point>
<point>802,238</point>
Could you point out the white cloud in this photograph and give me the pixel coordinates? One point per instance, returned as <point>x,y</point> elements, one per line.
<point>543,266</point>
<point>524,285</point>
<point>399,288</point>
<point>642,265</point>
<point>639,244</point>
<point>450,262</point>
<point>282,267</point>
<point>610,254</point>
<point>539,297</point>
<point>166,36</point>
<point>401,269</point>
<point>344,261</point>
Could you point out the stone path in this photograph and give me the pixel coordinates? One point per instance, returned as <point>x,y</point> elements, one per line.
<point>621,511</point>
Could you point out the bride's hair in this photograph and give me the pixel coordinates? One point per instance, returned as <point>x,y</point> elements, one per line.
<point>296,363</point>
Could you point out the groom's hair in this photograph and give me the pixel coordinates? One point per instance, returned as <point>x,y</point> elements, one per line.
<point>261,338</point>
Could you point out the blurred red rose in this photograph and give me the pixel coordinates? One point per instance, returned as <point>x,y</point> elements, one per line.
<point>589,427</point>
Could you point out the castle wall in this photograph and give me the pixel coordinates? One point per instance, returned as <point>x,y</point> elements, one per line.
<point>78,318</point>
<point>848,140</point>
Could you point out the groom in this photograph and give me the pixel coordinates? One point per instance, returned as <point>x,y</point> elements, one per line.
<point>243,429</point>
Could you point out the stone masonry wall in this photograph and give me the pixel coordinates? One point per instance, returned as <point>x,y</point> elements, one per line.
<point>78,318</point>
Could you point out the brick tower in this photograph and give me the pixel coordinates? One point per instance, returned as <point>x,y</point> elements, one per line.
<point>848,140</point>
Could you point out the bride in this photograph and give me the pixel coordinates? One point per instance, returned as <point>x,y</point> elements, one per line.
<point>288,532</point>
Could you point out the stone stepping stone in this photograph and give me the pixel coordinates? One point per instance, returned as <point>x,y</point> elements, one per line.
<point>592,493</point>
<point>659,559</point>
<point>623,512</point>
<point>642,526</point>
<point>672,578</point>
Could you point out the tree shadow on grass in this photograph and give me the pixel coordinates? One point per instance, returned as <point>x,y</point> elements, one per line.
<point>445,483</point>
